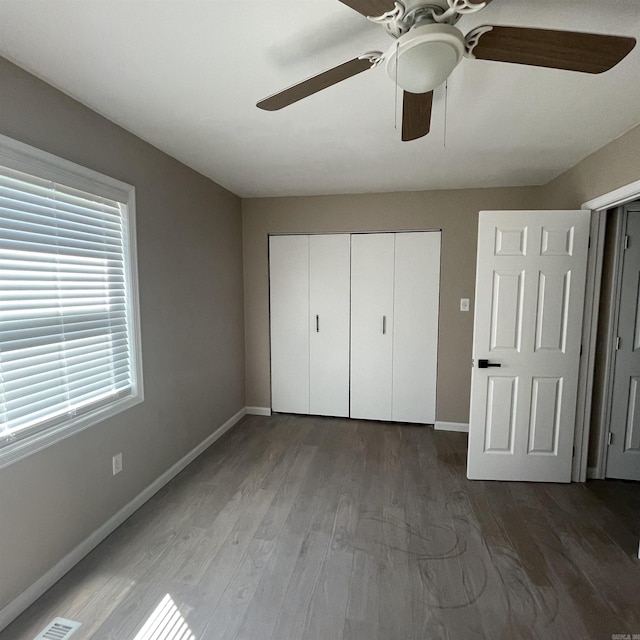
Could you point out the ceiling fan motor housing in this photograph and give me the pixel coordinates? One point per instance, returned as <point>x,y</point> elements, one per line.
<point>423,58</point>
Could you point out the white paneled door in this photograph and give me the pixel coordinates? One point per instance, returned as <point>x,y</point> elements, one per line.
<point>530,282</point>
<point>623,453</point>
<point>372,263</point>
<point>329,302</point>
<point>289,301</point>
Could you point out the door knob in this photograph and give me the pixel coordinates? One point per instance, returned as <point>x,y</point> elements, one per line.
<point>485,364</point>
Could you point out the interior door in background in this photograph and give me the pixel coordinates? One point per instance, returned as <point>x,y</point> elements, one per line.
<point>530,286</point>
<point>623,452</point>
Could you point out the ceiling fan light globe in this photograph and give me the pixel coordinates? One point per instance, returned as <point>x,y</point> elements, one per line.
<point>424,57</point>
<point>425,66</point>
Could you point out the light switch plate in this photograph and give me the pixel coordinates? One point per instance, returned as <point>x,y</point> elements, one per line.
<point>117,463</point>
<point>464,304</point>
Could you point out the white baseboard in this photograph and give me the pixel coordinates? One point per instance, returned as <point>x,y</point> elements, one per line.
<point>11,611</point>
<point>259,411</point>
<point>452,426</point>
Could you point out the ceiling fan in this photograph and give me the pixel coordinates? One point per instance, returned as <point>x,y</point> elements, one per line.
<point>428,47</point>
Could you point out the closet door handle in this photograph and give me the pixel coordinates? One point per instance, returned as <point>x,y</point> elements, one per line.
<point>384,325</point>
<point>317,324</point>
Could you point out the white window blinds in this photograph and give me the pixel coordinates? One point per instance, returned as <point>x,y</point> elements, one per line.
<point>64,330</point>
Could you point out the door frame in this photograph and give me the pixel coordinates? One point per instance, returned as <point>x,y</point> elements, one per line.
<point>598,207</point>
<point>598,472</point>
<point>621,212</point>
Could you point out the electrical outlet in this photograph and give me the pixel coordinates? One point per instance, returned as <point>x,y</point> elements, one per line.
<point>464,304</point>
<point>117,463</point>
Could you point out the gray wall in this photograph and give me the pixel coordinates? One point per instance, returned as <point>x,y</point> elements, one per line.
<point>190,272</point>
<point>455,212</point>
<point>614,165</point>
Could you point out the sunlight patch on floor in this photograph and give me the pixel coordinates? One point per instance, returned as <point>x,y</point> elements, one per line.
<point>165,623</point>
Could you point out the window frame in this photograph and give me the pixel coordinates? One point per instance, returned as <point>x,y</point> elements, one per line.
<point>22,157</point>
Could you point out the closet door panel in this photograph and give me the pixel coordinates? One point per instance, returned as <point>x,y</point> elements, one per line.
<point>415,326</point>
<point>289,300</point>
<point>329,301</point>
<point>372,262</point>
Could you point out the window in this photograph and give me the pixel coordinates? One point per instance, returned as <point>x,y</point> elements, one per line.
<point>69,344</point>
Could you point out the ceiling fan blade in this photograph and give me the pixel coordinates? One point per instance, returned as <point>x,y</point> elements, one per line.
<point>318,83</point>
<point>373,8</point>
<point>416,115</point>
<point>570,50</point>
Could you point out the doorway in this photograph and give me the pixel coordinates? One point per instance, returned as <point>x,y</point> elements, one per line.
<point>614,447</point>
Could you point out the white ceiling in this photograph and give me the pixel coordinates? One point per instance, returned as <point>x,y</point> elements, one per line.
<point>185,75</point>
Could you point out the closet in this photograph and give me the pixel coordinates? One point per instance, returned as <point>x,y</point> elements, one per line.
<point>354,324</point>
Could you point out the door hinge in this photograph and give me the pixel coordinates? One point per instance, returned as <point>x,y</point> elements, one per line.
<point>627,241</point>
<point>589,243</point>
<point>610,438</point>
<point>573,455</point>
<point>617,343</point>
<point>580,350</point>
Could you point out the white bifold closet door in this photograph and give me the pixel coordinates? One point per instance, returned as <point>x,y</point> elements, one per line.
<point>289,300</point>
<point>395,284</point>
<point>372,257</point>
<point>309,298</point>
<point>415,326</point>
<point>329,277</point>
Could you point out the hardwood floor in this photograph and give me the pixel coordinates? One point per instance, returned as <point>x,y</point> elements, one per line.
<point>296,528</point>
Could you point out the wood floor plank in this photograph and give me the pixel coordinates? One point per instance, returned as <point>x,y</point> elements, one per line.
<point>460,581</point>
<point>527,587</point>
<point>431,536</point>
<point>361,621</point>
<point>295,610</point>
<point>605,591</point>
<point>261,617</point>
<point>228,614</point>
<point>291,544</point>
<point>306,528</point>
<point>394,609</point>
<point>309,591</point>
<point>328,604</point>
<point>361,616</point>
<point>329,600</point>
<point>274,520</point>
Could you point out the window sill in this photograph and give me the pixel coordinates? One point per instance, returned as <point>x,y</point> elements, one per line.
<point>25,447</point>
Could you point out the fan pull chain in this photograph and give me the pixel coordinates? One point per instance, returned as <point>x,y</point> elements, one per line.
<point>395,124</point>
<point>446,103</point>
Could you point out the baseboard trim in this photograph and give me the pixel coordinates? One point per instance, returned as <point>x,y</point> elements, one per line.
<point>19,604</point>
<point>462,427</point>
<point>259,411</point>
<point>592,473</point>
